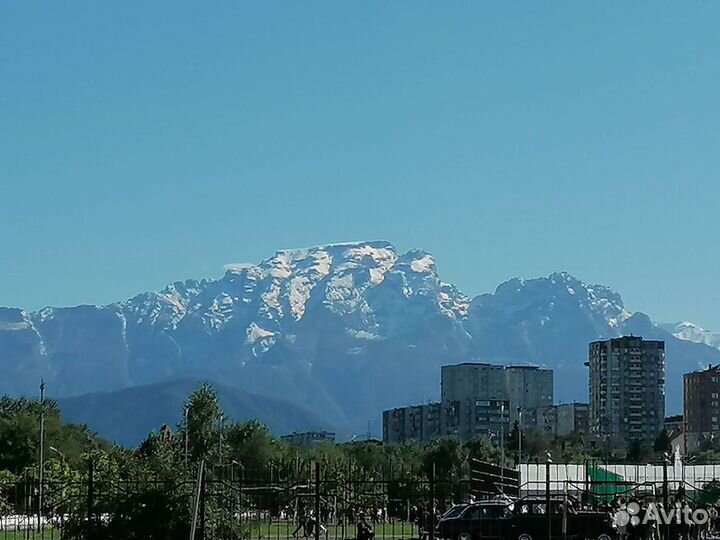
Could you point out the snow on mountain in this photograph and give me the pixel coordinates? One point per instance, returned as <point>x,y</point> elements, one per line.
<point>344,330</point>
<point>692,332</point>
<point>557,305</point>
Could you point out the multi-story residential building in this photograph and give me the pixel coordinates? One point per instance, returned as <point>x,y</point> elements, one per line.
<point>572,418</point>
<point>308,438</point>
<point>476,399</point>
<point>540,419</point>
<point>472,418</point>
<point>627,388</point>
<point>523,386</point>
<point>472,380</point>
<point>701,405</point>
<point>557,420</point>
<point>528,387</point>
<point>415,423</point>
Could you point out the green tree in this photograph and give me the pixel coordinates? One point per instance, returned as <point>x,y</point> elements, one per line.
<point>483,449</point>
<point>663,443</point>
<point>203,414</point>
<point>536,445</point>
<point>638,452</point>
<point>20,435</point>
<point>7,481</point>
<point>252,446</point>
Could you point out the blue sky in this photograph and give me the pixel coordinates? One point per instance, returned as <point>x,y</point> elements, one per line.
<point>144,142</point>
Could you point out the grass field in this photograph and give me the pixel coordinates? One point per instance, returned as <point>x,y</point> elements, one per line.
<point>284,529</point>
<point>263,529</point>
<point>49,534</point>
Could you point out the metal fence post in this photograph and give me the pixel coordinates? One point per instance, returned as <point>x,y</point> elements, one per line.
<point>665,495</point>
<point>548,510</point>
<point>203,488</point>
<point>196,499</point>
<point>431,520</point>
<point>317,500</point>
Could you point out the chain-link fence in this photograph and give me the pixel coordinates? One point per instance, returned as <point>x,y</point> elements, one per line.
<point>313,500</point>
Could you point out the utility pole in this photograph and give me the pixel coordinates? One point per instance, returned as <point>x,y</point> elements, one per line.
<point>42,453</point>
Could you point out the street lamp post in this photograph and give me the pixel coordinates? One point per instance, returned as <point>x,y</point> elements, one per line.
<point>59,453</point>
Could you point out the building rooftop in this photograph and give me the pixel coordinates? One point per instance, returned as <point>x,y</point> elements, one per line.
<point>498,366</point>
<point>706,370</point>
<point>624,338</point>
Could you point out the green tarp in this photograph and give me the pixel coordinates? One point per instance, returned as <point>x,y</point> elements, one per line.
<point>605,485</point>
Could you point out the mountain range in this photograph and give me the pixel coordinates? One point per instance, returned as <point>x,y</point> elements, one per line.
<point>127,416</point>
<point>342,331</point>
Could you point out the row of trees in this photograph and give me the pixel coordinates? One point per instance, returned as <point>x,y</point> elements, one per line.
<point>67,444</point>
<point>163,470</point>
<point>204,434</point>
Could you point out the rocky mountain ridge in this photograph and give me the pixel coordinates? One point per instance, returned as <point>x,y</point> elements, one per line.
<point>343,330</point>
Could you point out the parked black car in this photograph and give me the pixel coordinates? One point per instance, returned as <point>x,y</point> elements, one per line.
<point>486,520</point>
<point>526,519</point>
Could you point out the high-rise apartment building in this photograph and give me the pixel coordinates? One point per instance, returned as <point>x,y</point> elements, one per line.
<point>701,405</point>
<point>627,388</point>
<point>475,417</point>
<point>528,387</point>
<point>523,386</point>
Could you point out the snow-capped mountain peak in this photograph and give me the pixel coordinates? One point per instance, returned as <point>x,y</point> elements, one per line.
<point>343,329</point>
<point>691,332</point>
<point>267,300</point>
<point>556,296</point>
